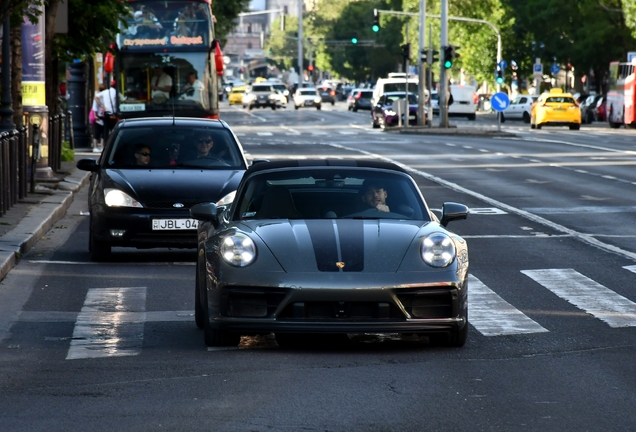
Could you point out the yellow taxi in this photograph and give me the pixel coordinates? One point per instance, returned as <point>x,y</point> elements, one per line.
<point>236,95</point>
<point>555,108</point>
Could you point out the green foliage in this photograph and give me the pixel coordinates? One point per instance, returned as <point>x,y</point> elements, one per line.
<point>226,12</point>
<point>283,45</point>
<point>18,9</point>
<point>68,154</point>
<point>90,24</point>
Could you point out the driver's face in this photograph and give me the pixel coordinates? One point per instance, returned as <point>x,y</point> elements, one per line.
<point>374,196</point>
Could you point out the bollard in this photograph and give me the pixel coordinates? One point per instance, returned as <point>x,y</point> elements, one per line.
<point>35,153</point>
<point>13,167</point>
<point>3,175</point>
<point>23,155</point>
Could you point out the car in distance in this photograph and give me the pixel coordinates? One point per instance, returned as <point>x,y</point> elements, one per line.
<point>327,94</point>
<point>261,96</point>
<point>329,246</point>
<point>555,108</point>
<point>386,112</point>
<point>587,108</point>
<point>519,108</point>
<point>235,97</point>
<point>152,170</point>
<point>360,99</point>
<point>307,97</point>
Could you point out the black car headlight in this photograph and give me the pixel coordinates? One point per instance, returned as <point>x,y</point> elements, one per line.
<point>238,250</point>
<point>438,250</point>
<point>117,198</point>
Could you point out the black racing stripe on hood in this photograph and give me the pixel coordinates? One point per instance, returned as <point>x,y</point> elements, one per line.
<point>323,239</point>
<point>351,235</point>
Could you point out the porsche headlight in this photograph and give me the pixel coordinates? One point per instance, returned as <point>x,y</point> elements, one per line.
<point>117,198</point>
<point>227,199</point>
<point>438,250</point>
<point>238,250</point>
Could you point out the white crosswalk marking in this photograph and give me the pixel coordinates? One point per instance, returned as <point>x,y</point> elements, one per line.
<point>264,133</point>
<point>588,295</point>
<point>110,324</point>
<point>630,268</point>
<point>493,316</point>
<point>318,133</point>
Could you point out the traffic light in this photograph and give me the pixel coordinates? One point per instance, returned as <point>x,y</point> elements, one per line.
<point>433,58</point>
<point>499,78</point>
<point>376,21</point>
<point>450,53</point>
<point>354,39</point>
<point>310,68</point>
<point>406,51</point>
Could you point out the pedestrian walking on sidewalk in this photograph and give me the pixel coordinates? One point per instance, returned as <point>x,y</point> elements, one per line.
<point>98,126</point>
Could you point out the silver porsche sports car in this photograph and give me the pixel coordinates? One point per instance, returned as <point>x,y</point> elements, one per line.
<point>329,246</point>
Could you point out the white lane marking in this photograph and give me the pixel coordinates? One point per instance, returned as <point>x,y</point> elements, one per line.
<point>264,133</point>
<point>110,324</point>
<point>318,133</point>
<point>630,268</point>
<point>347,133</point>
<point>493,316</point>
<point>587,295</point>
<point>581,209</point>
<point>583,237</point>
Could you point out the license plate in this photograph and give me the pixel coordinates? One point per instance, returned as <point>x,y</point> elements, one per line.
<point>559,109</point>
<point>174,224</point>
<point>309,102</point>
<point>411,117</point>
<point>132,107</point>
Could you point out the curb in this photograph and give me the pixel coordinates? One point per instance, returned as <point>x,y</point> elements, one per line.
<point>40,219</point>
<point>453,131</point>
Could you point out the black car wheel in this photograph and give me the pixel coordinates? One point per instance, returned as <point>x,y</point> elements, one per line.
<point>333,102</point>
<point>374,124</point>
<point>575,126</point>
<point>355,108</point>
<point>250,107</point>
<point>296,106</point>
<point>538,126</point>
<point>318,107</point>
<point>273,107</point>
<point>526,117</point>
<point>99,250</point>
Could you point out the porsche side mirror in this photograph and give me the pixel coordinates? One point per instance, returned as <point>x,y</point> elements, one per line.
<point>87,165</point>
<point>453,211</point>
<point>205,212</point>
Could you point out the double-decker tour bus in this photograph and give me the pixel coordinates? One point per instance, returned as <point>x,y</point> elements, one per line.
<point>621,97</point>
<point>165,60</point>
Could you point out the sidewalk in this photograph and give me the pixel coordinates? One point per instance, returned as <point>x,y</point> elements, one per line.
<point>27,221</point>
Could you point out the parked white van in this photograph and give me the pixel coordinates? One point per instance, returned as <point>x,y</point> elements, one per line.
<point>396,82</point>
<point>464,101</point>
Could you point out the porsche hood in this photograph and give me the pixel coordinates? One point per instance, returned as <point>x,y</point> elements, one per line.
<point>334,245</point>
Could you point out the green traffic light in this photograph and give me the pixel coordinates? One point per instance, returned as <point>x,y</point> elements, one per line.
<point>448,64</point>
<point>375,28</point>
<point>354,40</point>
<point>500,80</point>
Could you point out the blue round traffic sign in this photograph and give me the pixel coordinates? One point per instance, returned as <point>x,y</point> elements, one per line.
<point>503,64</point>
<point>555,68</point>
<point>499,101</point>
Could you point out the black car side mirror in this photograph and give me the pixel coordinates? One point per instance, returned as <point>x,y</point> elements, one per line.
<point>205,212</point>
<point>453,211</point>
<point>87,165</point>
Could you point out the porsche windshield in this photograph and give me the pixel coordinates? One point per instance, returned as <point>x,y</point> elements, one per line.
<point>174,147</point>
<point>330,194</point>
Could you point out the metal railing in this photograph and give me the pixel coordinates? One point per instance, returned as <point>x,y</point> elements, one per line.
<point>17,167</point>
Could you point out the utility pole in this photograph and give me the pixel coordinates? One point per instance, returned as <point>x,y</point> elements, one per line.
<point>443,81</point>
<point>421,65</point>
<point>300,43</point>
<point>430,75</point>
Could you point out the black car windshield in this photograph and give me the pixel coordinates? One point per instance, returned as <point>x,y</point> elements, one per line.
<point>330,193</point>
<point>262,88</point>
<point>168,147</point>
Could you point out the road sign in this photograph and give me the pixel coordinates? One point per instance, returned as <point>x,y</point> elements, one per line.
<point>555,68</point>
<point>499,101</point>
<point>503,64</point>
<point>538,69</point>
<point>631,56</point>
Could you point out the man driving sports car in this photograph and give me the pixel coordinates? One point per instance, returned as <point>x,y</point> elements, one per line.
<point>374,195</point>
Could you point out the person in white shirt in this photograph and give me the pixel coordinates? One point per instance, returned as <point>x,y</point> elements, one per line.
<point>160,85</point>
<point>193,90</point>
<point>107,101</point>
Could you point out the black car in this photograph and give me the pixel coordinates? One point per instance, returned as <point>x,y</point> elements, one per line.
<point>327,94</point>
<point>588,106</point>
<point>361,99</point>
<point>152,170</point>
<point>329,246</point>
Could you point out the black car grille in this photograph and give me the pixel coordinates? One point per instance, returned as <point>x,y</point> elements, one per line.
<point>248,302</point>
<point>334,310</point>
<point>426,303</point>
<point>169,204</point>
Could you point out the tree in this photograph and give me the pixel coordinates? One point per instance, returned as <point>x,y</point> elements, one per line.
<point>226,13</point>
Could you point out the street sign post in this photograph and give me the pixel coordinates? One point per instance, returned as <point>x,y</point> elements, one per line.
<point>538,69</point>
<point>499,102</point>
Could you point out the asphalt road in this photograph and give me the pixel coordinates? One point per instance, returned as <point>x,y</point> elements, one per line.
<point>551,303</point>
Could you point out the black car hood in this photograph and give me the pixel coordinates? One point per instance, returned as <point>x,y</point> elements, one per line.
<point>187,185</point>
<point>319,245</point>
